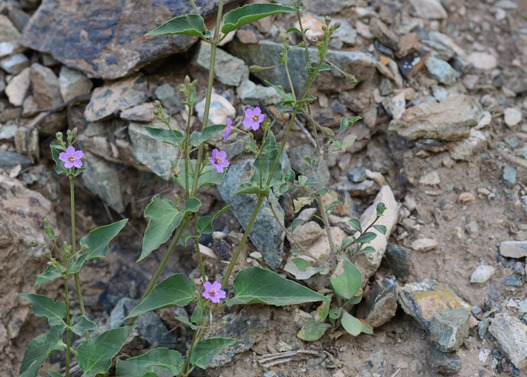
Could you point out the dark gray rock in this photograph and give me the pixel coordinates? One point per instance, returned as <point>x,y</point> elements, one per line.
<point>360,64</point>
<point>266,234</point>
<point>9,160</point>
<point>106,39</point>
<point>513,280</point>
<point>297,156</point>
<point>448,330</point>
<point>444,363</point>
<point>356,175</point>
<point>380,303</point>
<point>400,259</point>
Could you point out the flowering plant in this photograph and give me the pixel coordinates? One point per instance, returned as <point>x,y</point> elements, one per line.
<point>179,222</point>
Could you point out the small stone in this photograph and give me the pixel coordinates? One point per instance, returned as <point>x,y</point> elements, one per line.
<point>395,105</point>
<point>509,176</point>
<point>449,329</point>
<point>356,175</point>
<point>307,233</point>
<point>18,88</point>
<point>220,109</point>
<point>9,160</point>
<point>380,303</point>
<point>506,4</point>
<point>429,9</point>
<point>440,70</point>
<point>45,85</point>
<point>384,34</point>
<point>8,131</point>
<point>228,69</point>
<point>513,280</point>
<point>315,32</point>
<point>408,44</point>
<point>248,34</point>
<point>400,259</point>
<point>444,363</point>
<point>415,366</point>
<point>472,227</point>
<point>512,116</point>
<point>482,274</point>
<point>465,149</point>
<point>73,83</point>
<point>9,36</point>
<point>14,64</point>
<point>424,244</point>
<point>466,197</point>
<point>482,60</point>
<point>430,179</point>
<point>345,34</point>
<point>511,335</point>
<point>386,87</point>
<point>253,94</point>
<point>140,113</point>
<point>164,92</point>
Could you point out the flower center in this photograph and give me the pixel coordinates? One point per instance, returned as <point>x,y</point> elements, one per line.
<point>255,118</point>
<point>71,158</point>
<point>218,160</point>
<point>212,292</point>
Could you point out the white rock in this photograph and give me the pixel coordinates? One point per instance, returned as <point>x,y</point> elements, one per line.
<point>484,120</point>
<point>18,87</point>
<point>512,116</point>
<point>429,9</point>
<point>464,150</point>
<point>398,105</point>
<point>220,109</point>
<point>483,60</point>
<point>482,274</point>
<point>14,64</point>
<point>424,244</point>
<point>430,179</point>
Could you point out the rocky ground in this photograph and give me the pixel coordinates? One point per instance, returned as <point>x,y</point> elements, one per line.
<point>443,142</point>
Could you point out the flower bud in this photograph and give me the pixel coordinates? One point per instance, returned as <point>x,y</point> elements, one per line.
<point>47,253</point>
<point>255,68</point>
<point>327,20</point>
<point>34,244</point>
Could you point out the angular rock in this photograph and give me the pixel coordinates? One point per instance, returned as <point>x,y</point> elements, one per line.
<point>449,120</point>
<point>429,9</point>
<point>45,85</point>
<point>430,179</point>
<point>482,60</point>
<point>9,36</point>
<point>424,244</point>
<point>482,274</point>
<point>307,233</point>
<point>408,44</point>
<point>464,150</point>
<point>513,249</point>
<point>266,234</point>
<point>509,176</point>
<point>156,156</point>
<point>228,69</point>
<point>320,249</point>
<point>344,35</point>
<point>512,116</point>
<point>424,300</point>
<point>140,113</point>
<point>511,335</point>
<point>220,109</point>
<point>395,105</point>
<point>117,96</point>
<point>359,64</point>
<point>449,329</point>
<point>22,212</point>
<point>440,70</point>
<point>253,94</point>
<point>380,303</point>
<point>9,160</point>
<point>18,87</point>
<point>73,83</point>
<point>444,363</point>
<point>107,39</point>
<point>400,259</point>
<point>14,64</point>
<point>297,156</point>
<point>2,82</point>
<point>369,263</point>
<point>513,280</point>
<point>384,34</point>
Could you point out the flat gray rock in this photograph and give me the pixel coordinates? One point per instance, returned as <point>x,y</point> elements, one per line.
<point>511,334</point>
<point>106,39</point>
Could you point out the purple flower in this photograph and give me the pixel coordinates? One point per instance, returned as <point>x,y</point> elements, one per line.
<point>219,160</point>
<point>228,129</point>
<point>213,292</point>
<point>253,118</point>
<point>71,158</point>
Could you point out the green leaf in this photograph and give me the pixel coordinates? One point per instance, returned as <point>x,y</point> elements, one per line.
<point>367,328</point>
<point>250,13</point>
<point>187,322</point>
<point>296,223</point>
<point>205,222</point>
<point>191,24</point>
<point>293,29</point>
<point>255,285</point>
<point>367,237</point>
<point>252,188</point>
<point>351,324</point>
<point>59,165</point>
<point>207,349</point>
<point>348,279</point>
<point>301,263</point>
<point>207,177</point>
<point>380,229</point>
<point>322,311</point>
<point>335,313</point>
<point>161,362</point>
<point>97,241</point>
<point>288,97</point>
<point>199,316</point>
<point>44,306</point>
<point>164,218</point>
<point>95,355</point>
<point>355,224</point>
<point>197,138</point>
<point>176,290</point>
<point>283,188</point>
<point>84,325</point>
<point>39,349</point>
<point>313,331</point>
<point>366,250</point>
<point>289,176</point>
<point>324,67</point>
<point>265,161</point>
<point>51,273</point>
<point>380,209</point>
<point>52,373</point>
<point>192,205</point>
<point>173,137</point>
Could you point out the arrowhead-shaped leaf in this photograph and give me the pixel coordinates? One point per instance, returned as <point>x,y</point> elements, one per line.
<point>199,137</point>
<point>164,218</point>
<point>176,290</point>
<point>172,137</point>
<point>255,285</point>
<point>44,306</point>
<point>97,241</point>
<point>207,349</point>
<point>50,274</point>
<point>191,24</point>
<point>161,362</point>
<point>39,349</point>
<point>250,13</point>
<point>84,325</point>
<point>346,280</point>
<point>95,355</point>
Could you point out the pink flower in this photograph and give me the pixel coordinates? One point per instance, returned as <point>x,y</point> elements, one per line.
<point>213,292</point>
<point>71,158</point>
<point>228,129</point>
<point>219,160</point>
<point>253,118</point>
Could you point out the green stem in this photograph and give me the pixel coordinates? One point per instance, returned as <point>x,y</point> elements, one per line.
<point>198,251</point>
<point>187,153</point>
<point>163,263</point>
<point>198,334</point>
<point>327,227</point>
<point>68,331</point>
